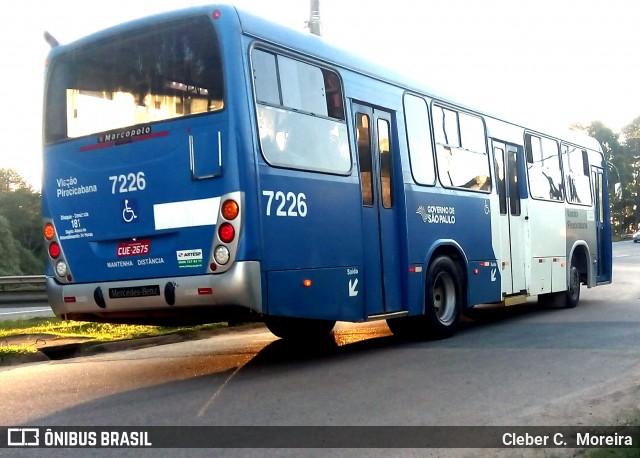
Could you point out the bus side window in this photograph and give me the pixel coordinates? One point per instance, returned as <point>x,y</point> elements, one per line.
<point>514,191</point>
<point>545,175</point>
<point>364,158</point>
<point>384,147</point>
<point>575,163</point>
<point>265,77</point>
<point>461,150</point>
<point>300,109</point>
<point>419,139</point>
<point>498,154</point>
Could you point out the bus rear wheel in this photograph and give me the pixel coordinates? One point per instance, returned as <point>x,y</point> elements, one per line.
<point>299,328</point>
<point>443,302</point>
<point>443,299</point>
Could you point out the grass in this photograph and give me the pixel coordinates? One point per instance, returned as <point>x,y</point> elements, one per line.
<point>97,332</point>
<point>632,452</point>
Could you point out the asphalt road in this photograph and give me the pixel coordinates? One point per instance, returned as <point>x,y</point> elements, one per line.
<point>517,366</point>
<point>21,312</point>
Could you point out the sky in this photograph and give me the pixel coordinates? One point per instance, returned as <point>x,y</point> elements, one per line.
<point>548,62</point>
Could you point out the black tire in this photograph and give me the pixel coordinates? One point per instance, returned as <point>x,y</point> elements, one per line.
<point>299,328</point>
<point>573,288</point>
<point>443,303</point>
<point>443,298</point>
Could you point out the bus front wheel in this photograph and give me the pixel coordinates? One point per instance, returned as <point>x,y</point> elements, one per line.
<point>298,328</point>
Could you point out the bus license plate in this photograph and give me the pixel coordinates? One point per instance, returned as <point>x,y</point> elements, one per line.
<point>137,248</point>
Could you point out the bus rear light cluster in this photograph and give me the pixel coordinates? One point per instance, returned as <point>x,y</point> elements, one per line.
<point>228,227</point>
<point>59,264</point>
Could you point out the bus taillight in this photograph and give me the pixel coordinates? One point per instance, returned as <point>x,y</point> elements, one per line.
<point>230,210</point>
<point>54,250</point>
<point>226,232</point>
<point>49,231</point>
<point>221,255</point>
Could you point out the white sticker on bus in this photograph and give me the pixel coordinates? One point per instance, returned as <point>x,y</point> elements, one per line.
<point>187,213</point>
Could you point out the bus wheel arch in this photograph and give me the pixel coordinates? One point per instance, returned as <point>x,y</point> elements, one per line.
<point>578,273</point>
<point>580,259</point>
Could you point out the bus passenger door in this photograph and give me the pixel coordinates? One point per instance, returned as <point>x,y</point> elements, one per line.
<point>597,178</point>
<point>512,221</point>
<point>375,131</point>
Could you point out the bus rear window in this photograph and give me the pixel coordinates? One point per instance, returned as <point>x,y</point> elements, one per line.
<point>152,75</point>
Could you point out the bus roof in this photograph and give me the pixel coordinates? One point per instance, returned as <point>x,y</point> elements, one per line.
<point>317,48</point>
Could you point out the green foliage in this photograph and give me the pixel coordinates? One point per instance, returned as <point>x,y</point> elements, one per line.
<point>622,153</point>
<point>21,241</point>
<point>9,250</point>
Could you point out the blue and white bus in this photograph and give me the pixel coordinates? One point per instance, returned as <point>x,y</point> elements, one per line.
<point>207,165</point>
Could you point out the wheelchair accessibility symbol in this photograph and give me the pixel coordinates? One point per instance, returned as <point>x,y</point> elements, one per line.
<point>129,211</point>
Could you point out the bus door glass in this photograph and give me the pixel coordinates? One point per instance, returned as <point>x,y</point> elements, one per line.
<point>377,159</point>
<point>598,186</point>
<point>512,222</point>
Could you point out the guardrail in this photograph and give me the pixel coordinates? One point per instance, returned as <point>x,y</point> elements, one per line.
<point>39,280</point>
<point>21,291</point>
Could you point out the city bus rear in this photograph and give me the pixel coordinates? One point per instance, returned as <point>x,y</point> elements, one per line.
<point>142,202</point>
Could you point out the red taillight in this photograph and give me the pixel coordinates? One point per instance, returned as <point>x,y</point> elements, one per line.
<point>54,250</point>
<point>49,231</point>
<point>217,14</point>
<point>226,232</point>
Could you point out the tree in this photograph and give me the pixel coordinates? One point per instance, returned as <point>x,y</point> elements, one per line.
<point>11,181</point>
<point>616,156</point>
<point>631,135</point>
<point>9,250</point>
<point>20,208</point>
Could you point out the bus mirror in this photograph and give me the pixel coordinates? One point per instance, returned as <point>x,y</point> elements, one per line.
<point>618,190</point>
<point>50,39</point>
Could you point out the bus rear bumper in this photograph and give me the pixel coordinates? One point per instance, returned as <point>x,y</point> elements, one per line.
<point>238,288</point>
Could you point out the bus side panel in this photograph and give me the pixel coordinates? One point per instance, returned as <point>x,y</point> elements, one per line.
<point>436,218</point>
<point>548,241</point>
<point>315,293</point>
<point>312,231</point>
